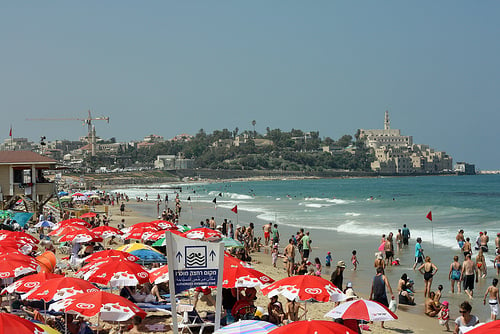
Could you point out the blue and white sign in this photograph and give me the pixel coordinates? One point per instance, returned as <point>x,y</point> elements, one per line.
<point>195,263</point>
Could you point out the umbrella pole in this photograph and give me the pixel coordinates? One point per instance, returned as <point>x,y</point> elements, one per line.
<point>98,318</point>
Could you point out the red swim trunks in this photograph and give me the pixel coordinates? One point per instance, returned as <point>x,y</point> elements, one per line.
<point>267,235</point>
<point>206,291</point>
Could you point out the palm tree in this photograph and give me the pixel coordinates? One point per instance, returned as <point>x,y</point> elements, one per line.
<point>253,124</point>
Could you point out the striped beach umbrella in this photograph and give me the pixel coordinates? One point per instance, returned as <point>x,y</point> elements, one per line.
<point>247,327</point>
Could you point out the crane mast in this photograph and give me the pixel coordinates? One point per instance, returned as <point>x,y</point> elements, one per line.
<point>91,136</point>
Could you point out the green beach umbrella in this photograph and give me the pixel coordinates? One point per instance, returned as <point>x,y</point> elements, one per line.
<point>160,242</point>
<point>230,242</point>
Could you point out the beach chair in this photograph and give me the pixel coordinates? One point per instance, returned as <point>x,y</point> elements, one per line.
<point>192,320</point>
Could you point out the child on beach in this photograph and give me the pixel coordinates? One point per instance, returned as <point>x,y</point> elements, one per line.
<point>444,315</point>
<point>274,255</point>
<point>328,259</point>
<point>354,260</point>
<point>317,263</point>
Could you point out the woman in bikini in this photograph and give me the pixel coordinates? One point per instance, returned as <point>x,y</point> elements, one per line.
<point>429,270</point>
<point>455,274</point>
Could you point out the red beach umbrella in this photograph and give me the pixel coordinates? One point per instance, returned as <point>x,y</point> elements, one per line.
<point>16,264</point>
<point>139,233</point>
<point>74,221</point>
<point>65,229</point>
<point>362,309</point>
<point>161,234</point>
<point>109,306</point>
<point>111,254</point>
<point>59,288</point>
<point>164,224</point>
<point>313,326</point>
<point>18,236</point>
<point>203,233</point>
<point>19,246</point>
<point>29,282</point>
<point>144,224</point>
<point>305,287</point>
<point>80,236</point>
<point>10,323</point>
<point>237,275</point>
<point>115,272</point>
<point>78,195</point>
<point>107,231</point>
<point>159,275</point>
<point>487,328</point>
<point>88,215</point>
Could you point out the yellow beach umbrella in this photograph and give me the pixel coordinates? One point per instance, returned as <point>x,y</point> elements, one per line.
<point>136,246</point>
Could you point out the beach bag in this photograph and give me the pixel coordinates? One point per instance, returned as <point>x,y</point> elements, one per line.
<point>393,306</point>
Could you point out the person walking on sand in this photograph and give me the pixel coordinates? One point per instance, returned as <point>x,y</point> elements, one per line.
<point>290,257</point>
<point>337,276</point>
<point>306,246</point>
<point>493,300</point>
<point>275,234</point>
<point>378,292</point>
<point>429,270</point>
<point>469,270</point>
<point>455,274</point>
<point>419,253</point>
<point>267,233</point>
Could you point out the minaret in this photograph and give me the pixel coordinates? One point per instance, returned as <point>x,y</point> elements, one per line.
<point>387,123</point>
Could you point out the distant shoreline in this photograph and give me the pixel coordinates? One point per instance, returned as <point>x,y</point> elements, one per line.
<point>205,175</point>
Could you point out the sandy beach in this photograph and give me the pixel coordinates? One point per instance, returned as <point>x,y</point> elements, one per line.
<point>411,318</point>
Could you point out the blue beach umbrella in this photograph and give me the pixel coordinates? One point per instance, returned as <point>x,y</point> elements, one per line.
<point>45,223</point>
<point>247,327</point>
<point>146,255</point>
<point>62,193</point>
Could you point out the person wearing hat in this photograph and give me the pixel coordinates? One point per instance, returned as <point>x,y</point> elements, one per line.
<point>444,315</point>
<point>337,277</point>
<point>328,259</point>
<point>349,292</point>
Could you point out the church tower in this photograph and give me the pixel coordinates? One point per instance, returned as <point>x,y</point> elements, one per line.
<point>387,123</point>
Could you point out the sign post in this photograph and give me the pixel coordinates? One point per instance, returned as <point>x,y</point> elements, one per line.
<point>191,264</point>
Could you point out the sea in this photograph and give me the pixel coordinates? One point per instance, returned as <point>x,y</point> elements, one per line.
<point>343,214</point>
<point>364,206</point>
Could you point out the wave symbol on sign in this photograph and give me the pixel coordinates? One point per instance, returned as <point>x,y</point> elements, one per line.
<point>195,259</point>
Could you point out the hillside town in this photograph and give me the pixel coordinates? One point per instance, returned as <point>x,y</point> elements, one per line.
<point>384,151</point>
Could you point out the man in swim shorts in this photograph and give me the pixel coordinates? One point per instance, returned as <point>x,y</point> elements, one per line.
<point>267,233</point>
<point>493,300</point>
<point>469,270</point>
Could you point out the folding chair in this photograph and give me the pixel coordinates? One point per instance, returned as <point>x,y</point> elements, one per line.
<point>191,319</point>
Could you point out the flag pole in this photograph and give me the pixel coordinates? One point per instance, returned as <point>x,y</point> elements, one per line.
<point>218,300</point>
<point>171,285</point>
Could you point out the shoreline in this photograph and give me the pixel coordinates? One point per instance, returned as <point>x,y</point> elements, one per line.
<point>410,320</point>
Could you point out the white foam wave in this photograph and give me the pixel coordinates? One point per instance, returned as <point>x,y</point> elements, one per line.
<point>328,200</point>
<point>352,214</point>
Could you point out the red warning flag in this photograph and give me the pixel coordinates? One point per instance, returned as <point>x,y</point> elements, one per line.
<point>235,209</point>
<point>429,216</point>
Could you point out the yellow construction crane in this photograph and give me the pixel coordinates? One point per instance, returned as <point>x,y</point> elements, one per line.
<point>86,121</point>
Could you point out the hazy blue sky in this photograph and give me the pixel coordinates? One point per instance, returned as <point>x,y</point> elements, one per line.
<point>171,67</point>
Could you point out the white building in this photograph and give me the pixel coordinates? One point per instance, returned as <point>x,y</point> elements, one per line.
<point>395,153</point>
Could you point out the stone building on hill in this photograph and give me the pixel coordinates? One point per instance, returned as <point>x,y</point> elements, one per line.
<point>397,154</point>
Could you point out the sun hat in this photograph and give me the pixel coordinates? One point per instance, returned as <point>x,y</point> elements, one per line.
<point>341,264</point>
<point>445,303</point>
<point>331,252</point>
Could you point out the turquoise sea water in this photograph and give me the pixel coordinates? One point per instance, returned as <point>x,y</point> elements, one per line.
<point>364,206</point>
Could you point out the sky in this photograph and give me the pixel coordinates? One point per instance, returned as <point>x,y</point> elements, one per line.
<point>172,67</point>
